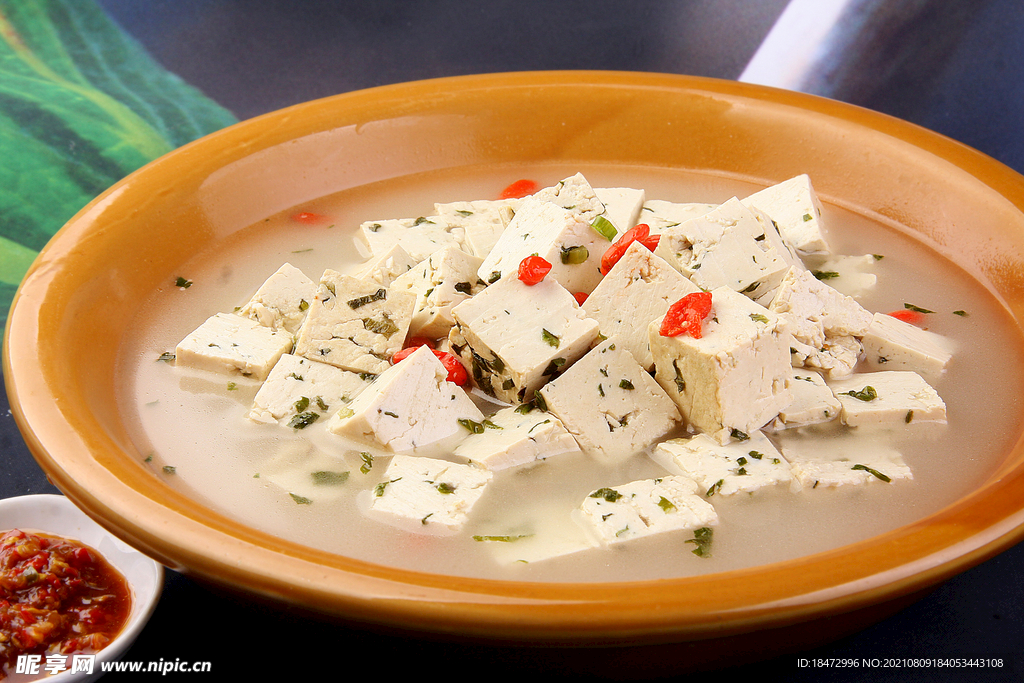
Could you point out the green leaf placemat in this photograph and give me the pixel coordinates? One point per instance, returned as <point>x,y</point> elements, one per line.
<point>81,106</point>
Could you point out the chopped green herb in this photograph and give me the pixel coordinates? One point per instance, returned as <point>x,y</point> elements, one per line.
<point>715,488</point>
<point>666,505</point>
<point>600,390</point>
<point>380,295</point>
<point>878,257</point>
<point>182,282</point>
<point>758,318</point>
<point>909,416</point>
<point>610,495</point>
<point>301,404</point>
<point>680,382</point>
<point>300,500</point>
<point>232,386</point>
<point>166,357</point>
<point>421,220</point>
<point>495,276</point>
<point>169,469</point>
<point>741,461</point>
<point>962,314</point>
<point>321,404</point>
<point>807,217</point>
<point>303,420</point>
<point>738,435</point>
<point>626,384</point>
<point>868,393</point>
<point>702,539</point>
<point>445,488</point>
<point>825,274</point>
<point>367,462</point>
<point>604,228</point>
<point>872,472</point>
<point>384,326</point>
<point>751,287</point>
<point>755,455</point>
<point>328,478</point>
<point>574,255</point>
<point>549,339</point>
<point>490,425</point>
<point>501,539</point>
<point>473,427</point>
<point>464,287</point>
<point>916,309</point>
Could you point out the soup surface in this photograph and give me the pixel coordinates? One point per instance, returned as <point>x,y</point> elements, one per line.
<point>192,431</point>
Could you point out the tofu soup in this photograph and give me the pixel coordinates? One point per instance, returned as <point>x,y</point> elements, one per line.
<point>424,374</point>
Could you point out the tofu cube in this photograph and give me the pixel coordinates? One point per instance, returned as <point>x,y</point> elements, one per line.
<point>233,344</point>
<point>888,397</point>
<point>737,467</point>
<point>281,302</point>
<point>482,220</point>
<point>852,275</point>
<point>355,324</point>
<point>383,268</point>
<point>813,401</point>
<point>445,279</point>
<point>893,344</point>
<point>512,437</point>
<point>419,237</point>
<point>825,324</point>
<point>646,508</point>
<point>795,208</point>
<point>845,461</point>
<point>410,407</point>
<point>297,388</point>
<point>561,237</point>
<point>574,194</point>
<point>732,379</point>
<point>622,206</point>
<point>725,247</point>
<point>515,337</point>
<point>610,403</point>
<point>660,215</point>
<point>429,495</point>
<point>638,289</point>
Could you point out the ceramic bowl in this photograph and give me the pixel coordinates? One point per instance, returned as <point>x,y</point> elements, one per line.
<point>130,240</point>
<point>58,516</point>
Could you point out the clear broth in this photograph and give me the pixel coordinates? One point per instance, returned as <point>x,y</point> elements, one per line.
<point>225,462</point>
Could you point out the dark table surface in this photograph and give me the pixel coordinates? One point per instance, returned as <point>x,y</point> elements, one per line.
<point>253,57</point>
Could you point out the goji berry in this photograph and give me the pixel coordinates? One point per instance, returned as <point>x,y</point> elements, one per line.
<point>533,269</point>
<point>685,316</point>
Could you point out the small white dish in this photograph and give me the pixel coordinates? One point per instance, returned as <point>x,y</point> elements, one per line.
<point>58,516</point>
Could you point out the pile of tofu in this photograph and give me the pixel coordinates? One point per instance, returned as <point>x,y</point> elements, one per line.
<point>781,349</point>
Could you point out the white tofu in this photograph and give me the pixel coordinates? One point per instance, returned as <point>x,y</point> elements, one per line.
<point>559,236</point>
<point>813,401</point>
<point>825,324</point>
<point>298,387</point>
<point>514,337</point>
<point>737,467</point>
<point>419,237</point>
<point>445,279</point>
<point>732,379</point>
<point>645,508</point>
<point>281,301</point>
<point>410,407</point>
<point>889,397</point>
<point>431,494</point>
<point>844,460</point>
<point>893,344</point>
<point>482,220</point>
<point>851,275</point>
<point>638,289</point>
<point>355,324</point>
<point>610,404</point>
<point>659,215</point>
<point>232,344</point>
<point>511,437</point>
<point>795,208</point>
<point>574,194</point>
<point>622,206</point>
<point>386,266</point>
<point>725,247</point>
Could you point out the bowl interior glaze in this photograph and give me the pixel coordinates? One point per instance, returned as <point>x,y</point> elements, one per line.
<point>77,302</point>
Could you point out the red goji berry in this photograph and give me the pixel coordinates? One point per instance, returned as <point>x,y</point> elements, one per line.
<point>456,371</point>
<point>685,315</point>
<point>309,217</point>
<point>580,297</point>
<point>533,269</point>
<point>519,189</point>
<point>614,253</point>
